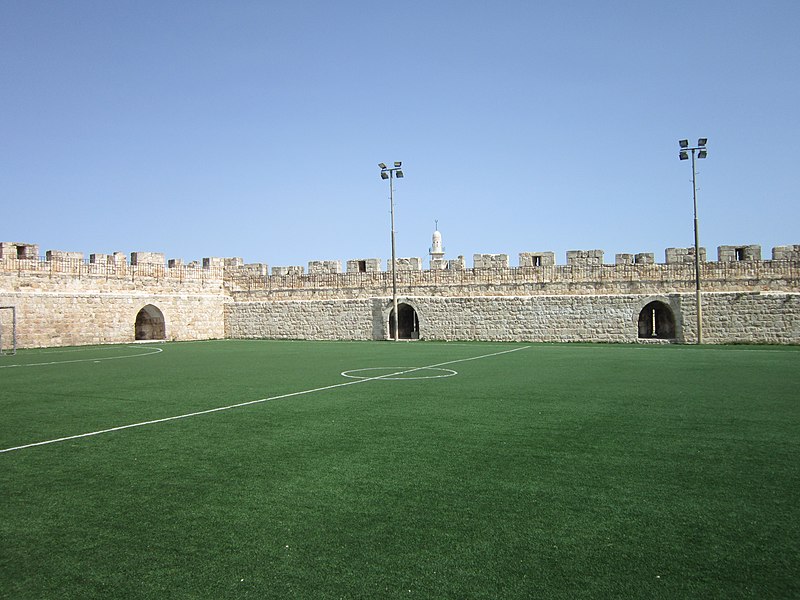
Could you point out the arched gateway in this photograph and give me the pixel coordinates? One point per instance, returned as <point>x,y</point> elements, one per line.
<point>407,322</point>
<point>150,324</point>
<point>656,321</point>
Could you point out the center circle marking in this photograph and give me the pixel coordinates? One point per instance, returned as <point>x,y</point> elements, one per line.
<point>399,373</point>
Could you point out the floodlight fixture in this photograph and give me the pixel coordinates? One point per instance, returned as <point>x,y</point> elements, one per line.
<point>702,141</point>
<point>400,174</point>
<point>702,153</point>
<point>384,175</point>
<point>382,165</point>
<point>683,155</point>
<point>684,143</point>
<point>398,164</point>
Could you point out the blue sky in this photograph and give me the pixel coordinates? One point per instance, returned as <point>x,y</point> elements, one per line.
<point>254,129</point>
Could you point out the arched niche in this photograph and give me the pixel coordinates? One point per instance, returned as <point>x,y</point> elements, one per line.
<point>656,321</point>
<point>150,324</point>
<point>407,322</point>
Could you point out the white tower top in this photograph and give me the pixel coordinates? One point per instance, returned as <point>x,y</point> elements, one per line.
<point>437,250</point>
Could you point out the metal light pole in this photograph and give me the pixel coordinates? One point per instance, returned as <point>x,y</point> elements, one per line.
<point>701,152</point>
<point>389,173</point>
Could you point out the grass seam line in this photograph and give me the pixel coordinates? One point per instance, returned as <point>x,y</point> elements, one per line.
<point>250,402</point>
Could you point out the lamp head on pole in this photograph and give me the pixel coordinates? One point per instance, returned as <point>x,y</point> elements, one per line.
<point>683,155</point>
<point>684,143</point>
<point>384,175</point>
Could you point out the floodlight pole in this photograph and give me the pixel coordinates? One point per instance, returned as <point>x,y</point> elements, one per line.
<point>391,172</point>
<point>698,302</point>
<point>701,147</point>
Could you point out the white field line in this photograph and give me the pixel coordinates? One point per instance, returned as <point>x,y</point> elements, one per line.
<point>251,402</point>
<point>77,360</point>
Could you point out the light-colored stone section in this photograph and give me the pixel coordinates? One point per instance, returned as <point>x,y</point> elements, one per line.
<point>213,262</point>
<point>683,255</point>
<point>734,253</point>
<point>147,258</point>
<point>288,270</point>
<point>364,265</point>
<point>786,252</point>
<point>318,267</point>
<point>490,261</point>
<point>66,301</point>
<point>582,258</point>
<point>19,250</point>
<point>55,255</point>
<point>406,264</point>
<point>537,259</point>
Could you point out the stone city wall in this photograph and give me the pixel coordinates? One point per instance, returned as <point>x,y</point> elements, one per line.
<point>65,300</point>
<point>755,317</point>
<point>68,302</point>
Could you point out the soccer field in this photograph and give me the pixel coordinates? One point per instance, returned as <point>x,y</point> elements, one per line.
<point>287,469</point>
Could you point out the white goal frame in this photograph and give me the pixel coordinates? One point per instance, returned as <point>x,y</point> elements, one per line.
<point>13,348</point>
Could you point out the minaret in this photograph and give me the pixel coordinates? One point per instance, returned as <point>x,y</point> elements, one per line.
<point>437,250</point>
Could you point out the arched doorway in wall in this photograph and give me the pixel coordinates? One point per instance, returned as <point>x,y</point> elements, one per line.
<point>656,321</point>
<point>150,324</point>
<point>407,322</point>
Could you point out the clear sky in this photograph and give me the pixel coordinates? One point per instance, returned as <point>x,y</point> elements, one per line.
<point>254,128</point>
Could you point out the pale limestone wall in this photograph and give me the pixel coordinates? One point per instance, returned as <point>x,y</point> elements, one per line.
<point>728,317</point>
<point>554,280</point>
<point>57,309</point>
<point>65,301</point>
<point>314,320</point>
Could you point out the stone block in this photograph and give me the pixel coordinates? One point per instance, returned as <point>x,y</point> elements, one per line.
<point>537,259</point>
<point>406,264</point>
<point>56,255</point>
<point>786,252</point>
<point>213,262</point>
<point>364,265</point>
<point>676,256</point>
<point>584,257</point>
<point>490,261</point>
<point>321,267</point>
<point>19,250</point>
<point>289,270</point>
<point>147,258</point>
<point>737,253</point>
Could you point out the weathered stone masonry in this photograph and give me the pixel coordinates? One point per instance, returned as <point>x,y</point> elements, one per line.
<point>63,300</point>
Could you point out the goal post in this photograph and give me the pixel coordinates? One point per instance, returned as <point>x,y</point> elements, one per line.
<point>8,330</point>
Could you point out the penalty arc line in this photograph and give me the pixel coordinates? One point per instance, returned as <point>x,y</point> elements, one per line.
<point>77,360</point>
<point>251,402</point>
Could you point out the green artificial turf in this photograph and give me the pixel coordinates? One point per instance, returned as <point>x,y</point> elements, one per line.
<point>554,471</point>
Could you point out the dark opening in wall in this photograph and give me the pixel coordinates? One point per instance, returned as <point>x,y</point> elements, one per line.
<point>537,261</point>
<point>656,321</point>
<point>739,253</point>
<point>362,266</point>
<point>150,324</point>
<point>407,323</point>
